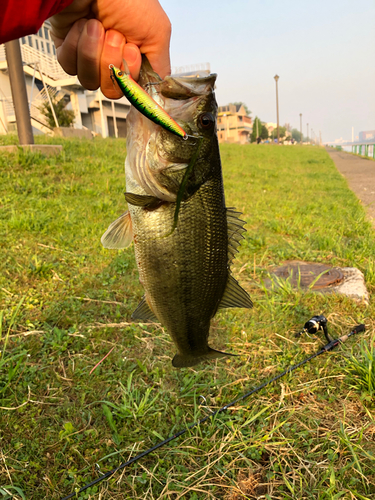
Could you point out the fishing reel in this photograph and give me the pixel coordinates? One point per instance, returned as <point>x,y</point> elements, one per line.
<point>314,325</point>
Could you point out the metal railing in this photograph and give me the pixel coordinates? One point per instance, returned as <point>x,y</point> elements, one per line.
<point>35,105</point>
<point>48,65</point>
<point>364,150</point>
<point>191,68</point>
<point>40,99</point>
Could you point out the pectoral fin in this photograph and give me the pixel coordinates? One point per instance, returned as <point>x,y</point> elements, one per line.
<point>119,234</point>
<point>235,295</point>
<point>144,313</point>
<point>144,201</point>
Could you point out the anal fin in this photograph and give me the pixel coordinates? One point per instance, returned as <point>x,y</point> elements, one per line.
<point>144,313</point>
<point>119,234</point>
<point>235,295</point>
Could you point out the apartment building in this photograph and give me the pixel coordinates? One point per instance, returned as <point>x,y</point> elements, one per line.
<point>233,124</point>
<point>43,73</point>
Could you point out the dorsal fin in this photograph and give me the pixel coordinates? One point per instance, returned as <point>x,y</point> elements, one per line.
<point>119,234</point>
<point>235,232</point>
<point>235,295</point>
<point>126,67</point>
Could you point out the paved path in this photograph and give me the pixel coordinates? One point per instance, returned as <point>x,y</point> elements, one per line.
<point>360,174</point>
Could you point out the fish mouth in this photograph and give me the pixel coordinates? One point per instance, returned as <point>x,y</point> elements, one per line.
<point>157,158</point>
<point>184,87</point>
<point>176,87</point>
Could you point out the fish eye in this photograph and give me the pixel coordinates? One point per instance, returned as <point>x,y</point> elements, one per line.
<point>206,120</point>
<point>120,73</point>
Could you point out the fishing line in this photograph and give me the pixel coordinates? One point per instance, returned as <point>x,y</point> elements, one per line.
<point>328,347</point>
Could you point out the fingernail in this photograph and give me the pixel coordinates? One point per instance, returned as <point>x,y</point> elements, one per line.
<point>114,38</point>
<point>94,29</point>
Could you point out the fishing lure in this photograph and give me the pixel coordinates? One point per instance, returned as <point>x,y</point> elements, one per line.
<point>142,101</point>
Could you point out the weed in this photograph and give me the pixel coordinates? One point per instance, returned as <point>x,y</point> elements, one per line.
<point>361,369</point>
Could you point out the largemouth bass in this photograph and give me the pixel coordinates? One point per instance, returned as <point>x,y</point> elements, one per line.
<point>185,270</point>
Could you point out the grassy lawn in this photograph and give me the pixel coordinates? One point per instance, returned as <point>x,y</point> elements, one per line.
<point>66,303</point>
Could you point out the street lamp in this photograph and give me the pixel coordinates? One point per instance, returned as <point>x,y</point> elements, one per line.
<point>307,126</point>
<point>300,125</point>
<point>277,109</point>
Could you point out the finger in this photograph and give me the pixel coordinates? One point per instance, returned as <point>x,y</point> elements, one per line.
<point>113,47</point>
<point>66,49</point>
<point>160,63</point>
<point>157,50</point>
<point>133,58</point>
<point>90,47</point>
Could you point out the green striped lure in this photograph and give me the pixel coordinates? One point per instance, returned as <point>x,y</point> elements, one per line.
<point>142,101</point>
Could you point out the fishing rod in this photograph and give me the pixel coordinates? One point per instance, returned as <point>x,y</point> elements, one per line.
<point>314,325</point>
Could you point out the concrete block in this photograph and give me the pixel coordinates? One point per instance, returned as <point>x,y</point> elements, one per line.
<point>45,149</point>
<point>80,133</point>
<point>353,285</point>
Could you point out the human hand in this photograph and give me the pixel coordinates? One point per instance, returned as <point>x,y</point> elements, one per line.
<point>92,34</point>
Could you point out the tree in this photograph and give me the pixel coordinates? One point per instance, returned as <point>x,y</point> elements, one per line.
<point>296,134</point>
<point>264,133</point>
<point>282,133</point>
<point>257,130</point>
<point>240,103</point>
<point>64,117</point>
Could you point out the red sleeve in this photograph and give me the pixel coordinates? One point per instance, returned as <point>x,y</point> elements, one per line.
<point>24,17</point>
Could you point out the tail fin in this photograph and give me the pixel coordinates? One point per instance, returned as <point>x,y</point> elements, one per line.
<point>185,360</point>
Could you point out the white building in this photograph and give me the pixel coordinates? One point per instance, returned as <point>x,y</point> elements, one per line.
<point>92,109</point>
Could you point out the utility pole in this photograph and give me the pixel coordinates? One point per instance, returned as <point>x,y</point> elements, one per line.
<point>307,126</point>
<point>19,94</point>
<point>300,125</point>
<point>277,108</point>
<point>320,138</point>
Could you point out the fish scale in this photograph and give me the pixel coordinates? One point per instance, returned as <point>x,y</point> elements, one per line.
<point>180,268</point>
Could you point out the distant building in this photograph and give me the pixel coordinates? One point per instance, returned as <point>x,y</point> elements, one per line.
<point>272,129</point>
<point>92,109</point>
<point>369,135</point>
<point>233,124</point>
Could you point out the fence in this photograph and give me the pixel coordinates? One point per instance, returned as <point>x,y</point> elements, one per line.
<point>364,150</point>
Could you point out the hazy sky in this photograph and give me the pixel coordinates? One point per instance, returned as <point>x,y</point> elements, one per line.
<point>323,52</point>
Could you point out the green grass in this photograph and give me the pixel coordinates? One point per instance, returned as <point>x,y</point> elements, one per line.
<point>66,302</point>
